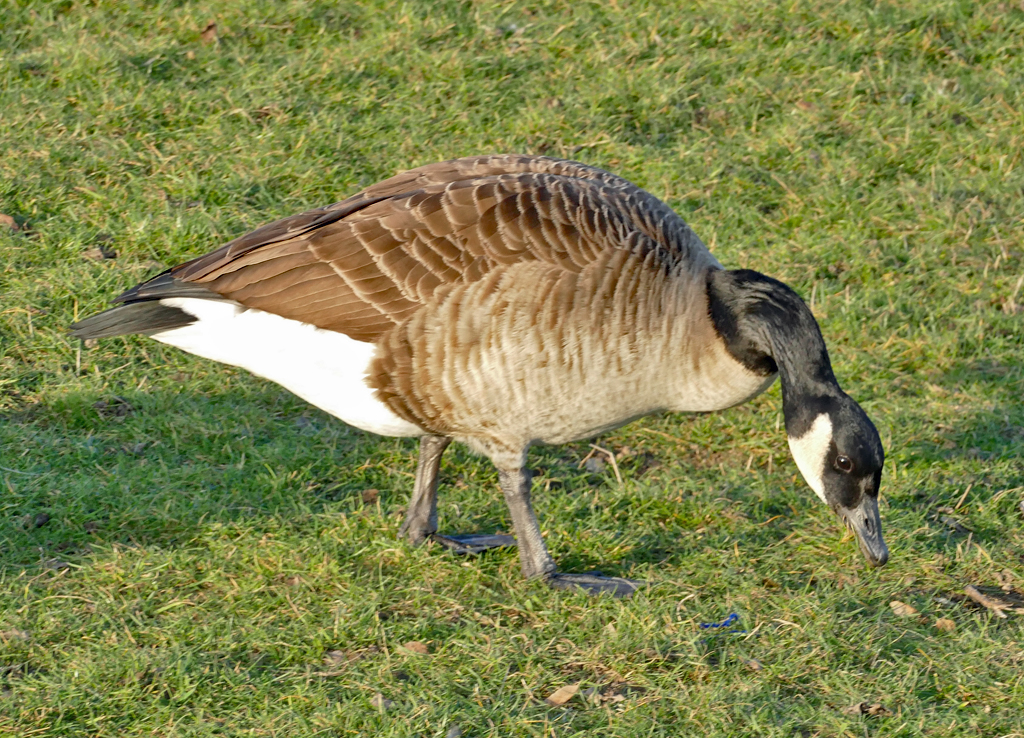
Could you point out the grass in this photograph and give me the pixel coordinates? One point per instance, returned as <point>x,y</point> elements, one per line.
<point>209,566</point>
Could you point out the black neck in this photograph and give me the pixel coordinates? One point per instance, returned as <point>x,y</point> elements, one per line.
<point>768,328</point>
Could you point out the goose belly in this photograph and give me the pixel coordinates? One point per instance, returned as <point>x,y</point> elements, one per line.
<point>324,368</point>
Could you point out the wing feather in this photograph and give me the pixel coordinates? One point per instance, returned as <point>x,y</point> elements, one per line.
<point>364,264</point>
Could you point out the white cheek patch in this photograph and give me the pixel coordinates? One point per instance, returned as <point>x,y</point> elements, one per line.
<point>810,452</point>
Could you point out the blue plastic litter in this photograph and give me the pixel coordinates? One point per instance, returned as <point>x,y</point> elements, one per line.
<point>720,627</point>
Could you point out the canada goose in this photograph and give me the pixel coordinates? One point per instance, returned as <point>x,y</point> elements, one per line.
<point>504,301</point>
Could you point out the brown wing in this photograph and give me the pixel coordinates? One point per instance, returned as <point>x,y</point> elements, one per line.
<point>363,265</point>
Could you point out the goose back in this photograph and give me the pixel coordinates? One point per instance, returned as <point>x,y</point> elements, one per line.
<point>366,264</point>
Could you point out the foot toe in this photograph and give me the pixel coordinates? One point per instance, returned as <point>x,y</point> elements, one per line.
<point>595,583</point>
<point>473,543</point>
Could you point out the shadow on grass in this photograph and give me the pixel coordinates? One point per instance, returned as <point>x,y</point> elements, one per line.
<point>154,469</point>
<point>140,469</point>
<point>157,468</point>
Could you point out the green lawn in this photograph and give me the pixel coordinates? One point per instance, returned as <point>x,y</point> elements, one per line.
<point>208,565</point>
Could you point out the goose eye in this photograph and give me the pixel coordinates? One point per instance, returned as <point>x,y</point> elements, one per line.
<point>844,464</point>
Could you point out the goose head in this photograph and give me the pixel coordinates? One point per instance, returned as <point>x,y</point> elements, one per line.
<point>838,451</point>
<point>767,327</point>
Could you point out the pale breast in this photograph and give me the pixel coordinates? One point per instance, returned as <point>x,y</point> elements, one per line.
<point>534,353</point>
<point>714,380</point>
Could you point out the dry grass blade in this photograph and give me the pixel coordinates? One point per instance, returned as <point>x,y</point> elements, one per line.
<point>999,603</point>
<point>611,459</point>
<point>962,497</point>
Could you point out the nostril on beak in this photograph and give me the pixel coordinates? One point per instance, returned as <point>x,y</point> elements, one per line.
<point>882,558</point>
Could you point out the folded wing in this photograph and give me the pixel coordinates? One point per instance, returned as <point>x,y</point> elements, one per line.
<point>365,264</point>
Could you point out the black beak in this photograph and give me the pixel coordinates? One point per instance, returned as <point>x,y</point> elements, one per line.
<point>865,523</point>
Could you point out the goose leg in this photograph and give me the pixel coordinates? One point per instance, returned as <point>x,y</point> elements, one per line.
<point>421,516</point>
<point>534,558</point>
<point>533,554</point>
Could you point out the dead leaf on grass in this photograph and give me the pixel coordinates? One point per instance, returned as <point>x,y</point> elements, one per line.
<point>369,496</point>
<point>945,625</point>
<point>334,658</point>
<point>864,708</point>
<point>381,702</point>
<point>753,664</point>
<point>209,34</point>
<point>903,609</point>
<point>9,222</point>
<point>417,647</point>
<point>562,695</point>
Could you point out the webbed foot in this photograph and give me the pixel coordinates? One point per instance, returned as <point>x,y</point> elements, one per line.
<point>473,543</point>
<point>595,583</point>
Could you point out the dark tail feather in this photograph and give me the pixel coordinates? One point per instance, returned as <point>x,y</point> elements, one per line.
<point>147,317</point>
<point>142,311</point>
